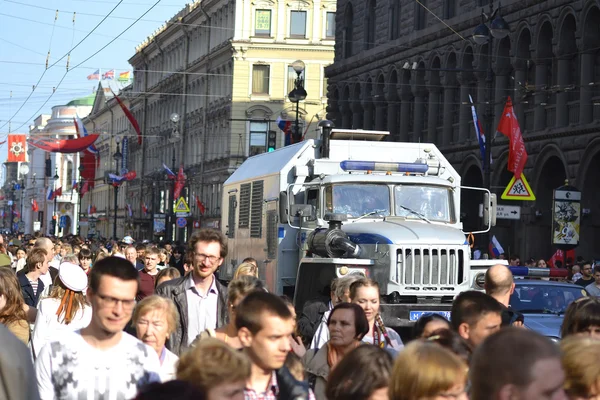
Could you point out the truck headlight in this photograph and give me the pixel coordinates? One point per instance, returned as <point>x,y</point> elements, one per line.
<point>479,282</point>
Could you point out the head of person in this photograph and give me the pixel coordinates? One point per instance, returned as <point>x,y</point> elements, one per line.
<point>347,325</point>
<point>452,341</point>
<point>365,293</point>
<point>427,324</point>
<point>215,368</point>
<point>518,364</point>
<point>11,299</point>
<point>141,251</point>
<point>172,390</point>
<point>112,290</point>
<point>246,268</point>
<point>514,260</point>
<point>100,256</point>
<point>264,325</point>
<point>37,261</point>
<point>208,248</point>
<point>65,249</point>
<point>580,357</point>
<point>575,269</point>
<point>131,254</point>
<point>46,244</point>
<point>363,374</point>
<point>597,274</point>
<point>582,318</point>
<point>341,288</point>
<point>475,316</point>
<point>250,260</point>
<point>238,289</point>
<point>188,262</point>
<point>586,269</point>
<point>165,275</point>
<point>151,259</point>
<point>70,289</point>
<point>177,253</point>
<point>155,318</point>
<point>72,258</point>
<point>163,256</point>
<point>85,259</point>
<point>425,370</point>
<point>21,253</point>
<point>541,263</point>
<point>499,281</point>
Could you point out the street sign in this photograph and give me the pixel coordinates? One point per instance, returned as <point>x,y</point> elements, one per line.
<point>518,189</point>
<point>196,224</point>
<point>10,202</point>
<point>181,222</point>
<point>37,225</point>
<point>181,206</point>
<point>508,212</point>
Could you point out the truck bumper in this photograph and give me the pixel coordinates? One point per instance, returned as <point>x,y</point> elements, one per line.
<point>404,315</point>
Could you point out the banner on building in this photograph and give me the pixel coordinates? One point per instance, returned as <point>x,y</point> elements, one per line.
<point>17,148</point>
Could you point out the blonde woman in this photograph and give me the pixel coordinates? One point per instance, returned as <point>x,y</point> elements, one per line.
<point>580,357</point>
<point>427,371</point>
<point>66,309</point>
<point>246,269</point>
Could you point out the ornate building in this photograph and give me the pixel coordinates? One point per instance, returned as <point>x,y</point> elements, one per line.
<point>224,67</point>
<point>398,68</point>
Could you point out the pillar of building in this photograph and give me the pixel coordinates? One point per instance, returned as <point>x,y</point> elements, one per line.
<point>346,110</point>
<point>435,97</point>
<point>449,87</point>
<point>562,97</point>
<point>357,115</point>
<point>464,116</point>
<point>540,97</point>
<point>380,117</point>
<point>585,96</point>
<point>391,96</point>
<point>520,80</point>
<point>405,116</point>
<point>368,111</point>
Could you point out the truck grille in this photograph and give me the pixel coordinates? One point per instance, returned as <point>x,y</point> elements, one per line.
<point>429,268</point>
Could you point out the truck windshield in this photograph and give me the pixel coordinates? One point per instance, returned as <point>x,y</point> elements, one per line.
<point>418,202</point>
<point>356,200</point>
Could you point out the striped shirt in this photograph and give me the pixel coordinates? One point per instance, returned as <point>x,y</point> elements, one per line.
<point>34,286</point>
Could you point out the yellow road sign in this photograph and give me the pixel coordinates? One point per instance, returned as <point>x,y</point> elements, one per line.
<point>518,189</point>
<point>181,206</point>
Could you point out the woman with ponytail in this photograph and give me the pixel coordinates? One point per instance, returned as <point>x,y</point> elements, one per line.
<point>66,309</point>
<point>365,293</point>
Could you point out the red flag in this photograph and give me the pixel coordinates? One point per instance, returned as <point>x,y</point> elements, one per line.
<point>559,255</point>
<point>180,183</point>
<point>130,117</point>
<point>85,188</point>
<point>56,193</point>
<point>509,126</point>
<point>34,205</point>
<point>17,148</point>
<point>144,208</point>
<point>200,206</point>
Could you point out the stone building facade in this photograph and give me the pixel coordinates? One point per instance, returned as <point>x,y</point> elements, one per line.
<point>400,68</point>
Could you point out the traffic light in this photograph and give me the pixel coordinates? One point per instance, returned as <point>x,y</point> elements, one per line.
<point>48,168</point>
<point>271,141</point>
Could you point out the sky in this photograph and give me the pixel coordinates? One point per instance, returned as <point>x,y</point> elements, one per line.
<point>29,29</point>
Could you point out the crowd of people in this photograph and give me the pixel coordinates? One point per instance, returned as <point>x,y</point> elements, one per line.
<point>153,321</point>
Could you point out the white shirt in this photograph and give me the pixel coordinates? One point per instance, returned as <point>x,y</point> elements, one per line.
<point>322,334</point>
<point>72,369</point>
<point>48,327</point>
<point>21,264</point>
<point>168,365</point>
<point>202,308</point>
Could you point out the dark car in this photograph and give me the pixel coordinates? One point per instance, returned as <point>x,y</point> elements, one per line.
<point>544,303</point>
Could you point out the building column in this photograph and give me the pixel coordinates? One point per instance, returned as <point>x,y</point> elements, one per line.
<point>380,117</point>
<point>585,94</point>
<point>357,115</point>
<point>433,114</point>
<point>449,87</point>
<point>520,79</point>
<point>500,96</point>
<point>346,114</point>
<point>391,96</point>
<point>368,116</point>
<point>541,80</point>
<point>418,117</point>
<point>562,97</point>
<point>464,116</point>
<point>405,116</point>
<point>332,112</point>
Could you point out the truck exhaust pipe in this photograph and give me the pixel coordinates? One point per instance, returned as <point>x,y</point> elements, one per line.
<point>326,127</point>
<point>332,242</point>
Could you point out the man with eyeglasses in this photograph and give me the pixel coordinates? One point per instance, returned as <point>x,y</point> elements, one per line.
<point>100,361</point>
<point>587,278</point>
<point>200,298</point>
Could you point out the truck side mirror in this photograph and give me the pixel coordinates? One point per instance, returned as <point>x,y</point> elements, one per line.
<point>306,211</point>
<point>283,207</point>
<point>489,208</point>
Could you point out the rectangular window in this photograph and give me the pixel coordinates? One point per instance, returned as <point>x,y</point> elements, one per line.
<point>260,79</point>
<point>298,24</point>
<point>291,79</point>
<point>262,24</point>
<point>256,209</point>
<point>324,88</point>
<point>330,25</point>
<point>244,218</point>
<point>258,137</point>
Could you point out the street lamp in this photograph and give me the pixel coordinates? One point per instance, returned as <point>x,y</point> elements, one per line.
<point>117,157</point>
<point>492,26</point>
<point>296,96</point>
<point>175,136</point>
<point>80,169</point>
<point>24,171</point>
<point>54,215</point>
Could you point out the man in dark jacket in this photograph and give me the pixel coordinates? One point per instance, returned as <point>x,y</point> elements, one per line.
<point>200,298</point>
<point>499,284</point>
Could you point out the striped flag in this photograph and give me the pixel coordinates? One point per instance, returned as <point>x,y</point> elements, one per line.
<point>171,174</point>
<point>109,75</point>
<point>129,211</point>
<point>479,134</point>
<point>95,76</point>
<point>124,76</point>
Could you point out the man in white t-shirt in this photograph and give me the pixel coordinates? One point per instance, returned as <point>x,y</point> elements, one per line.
<point>100,361</point>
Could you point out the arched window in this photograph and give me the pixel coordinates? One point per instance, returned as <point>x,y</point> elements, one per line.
<point>395,19</point>
<point>370,25</point>
<point>347,34</point>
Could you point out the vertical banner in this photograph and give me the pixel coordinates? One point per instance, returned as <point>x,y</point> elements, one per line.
<point>125,152</point>
<point>566,217</point>
<point>17,148</point>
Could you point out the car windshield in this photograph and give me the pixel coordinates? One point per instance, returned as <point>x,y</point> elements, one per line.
<point>357,200</point>
<point>544,298</point>
<point>419,202</point>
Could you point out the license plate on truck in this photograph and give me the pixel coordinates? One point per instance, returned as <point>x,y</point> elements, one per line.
<point>415,315</point>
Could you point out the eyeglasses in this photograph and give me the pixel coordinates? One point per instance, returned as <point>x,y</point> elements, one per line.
<point>111,302</point>
<point>202,257</point>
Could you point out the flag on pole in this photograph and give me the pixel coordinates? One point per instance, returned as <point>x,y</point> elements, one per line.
<point>285,127</point>
<point>85,188</point>
<point>130,117</point>
<point>50,194</point>
<point>180,183</point>
<point>495,247</point>
<point>95,76</point>
<point>129,211</point>
<point>79,126</point>
<point>170,173</point>
<point>479,134</point>
<point>34,205</point>
<point>58,192</point>
<point>124,76</point>
<point>89,210</point>
<point>509,126</point>
<point>200,206</point>
<point>144,208</point>
<point>109,75</point>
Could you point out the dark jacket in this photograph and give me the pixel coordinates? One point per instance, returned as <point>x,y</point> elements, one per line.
<point>312,314</point>
<point>30,299</point>
<point>175,290</point>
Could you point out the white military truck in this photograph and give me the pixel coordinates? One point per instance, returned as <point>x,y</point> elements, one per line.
<point>351,202</point>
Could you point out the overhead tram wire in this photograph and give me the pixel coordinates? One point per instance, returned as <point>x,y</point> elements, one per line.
<point>57,61</point>
<point>95,53</point>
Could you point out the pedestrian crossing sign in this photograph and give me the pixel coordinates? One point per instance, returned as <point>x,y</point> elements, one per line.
<point>518,189</point>
<point>181,206</point>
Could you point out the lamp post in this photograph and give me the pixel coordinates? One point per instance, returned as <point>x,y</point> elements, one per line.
<point>54,216</point>
<point>80,187</point>
<point>296,96</point>
<point>117,157</point>
<point>175,136</point>
<point>492,26</point>
<point>33,196</point>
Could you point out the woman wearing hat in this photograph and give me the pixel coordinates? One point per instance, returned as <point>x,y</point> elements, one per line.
<point>66,309</point>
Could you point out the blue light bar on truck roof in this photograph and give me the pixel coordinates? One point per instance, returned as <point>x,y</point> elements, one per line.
<point>352,165</point>
<point>539,272</point>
